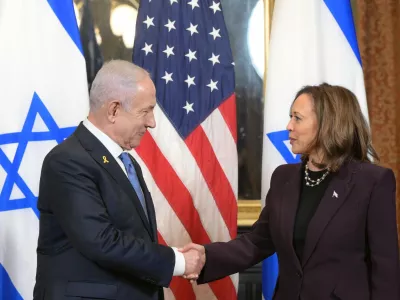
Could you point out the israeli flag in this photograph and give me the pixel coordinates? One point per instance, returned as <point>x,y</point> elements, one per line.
<point>312,41</point>
<point>43,98</point>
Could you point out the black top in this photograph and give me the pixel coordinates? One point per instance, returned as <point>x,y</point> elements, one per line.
<point>310,197</point>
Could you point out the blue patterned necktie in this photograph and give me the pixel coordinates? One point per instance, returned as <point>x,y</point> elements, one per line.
<point>133,178</point>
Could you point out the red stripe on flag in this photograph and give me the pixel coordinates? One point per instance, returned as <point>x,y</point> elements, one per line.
<point>228,111</point>
<point>172,188</point>
<point>181,288</point>
<point>225,289</point>
<point>170,185</point>
<point>214,175</point>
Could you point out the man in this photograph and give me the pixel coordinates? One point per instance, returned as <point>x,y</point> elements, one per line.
<point>98,232</point>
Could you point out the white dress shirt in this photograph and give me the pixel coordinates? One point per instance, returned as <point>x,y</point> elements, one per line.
<point>116,150</point>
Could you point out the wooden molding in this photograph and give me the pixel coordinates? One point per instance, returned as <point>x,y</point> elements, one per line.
<point>248,212</point>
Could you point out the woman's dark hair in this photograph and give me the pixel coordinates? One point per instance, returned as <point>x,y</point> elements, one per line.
<point>343,133</point>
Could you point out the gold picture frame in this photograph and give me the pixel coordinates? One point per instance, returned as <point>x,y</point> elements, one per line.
<point>249,210</point>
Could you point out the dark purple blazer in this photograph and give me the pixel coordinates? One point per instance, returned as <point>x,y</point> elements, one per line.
<point>351,249</point>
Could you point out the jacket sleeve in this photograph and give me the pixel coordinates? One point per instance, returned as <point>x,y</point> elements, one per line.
<point>78,206</point>
<point>382,239</point>
<point>223,259</point>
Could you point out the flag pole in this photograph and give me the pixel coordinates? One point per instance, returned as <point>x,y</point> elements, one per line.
<point>268,9</point>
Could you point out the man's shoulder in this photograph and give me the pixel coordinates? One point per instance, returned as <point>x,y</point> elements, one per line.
<point>68,150</point>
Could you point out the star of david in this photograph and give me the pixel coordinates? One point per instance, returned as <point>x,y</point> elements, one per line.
<point>278,139</point>
<point>22,139</point>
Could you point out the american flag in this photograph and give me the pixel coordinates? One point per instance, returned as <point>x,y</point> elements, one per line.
<point>190,159</point>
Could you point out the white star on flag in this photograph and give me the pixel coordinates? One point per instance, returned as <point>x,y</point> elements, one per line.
<point>188,107</point>
<point>174,1</point>
<point>213,85</point>
<point>190,81</point>
<point>169,51</point>
<point>194,3</point>
<point>149,22</point>
<point>170,25</point>
<point>215,7</point>
<point>147,48</point>
<point>167,77</point>
<point>215,33</point>
<point>192,29</point>
<point>191,55</point>
<point>214,58</point>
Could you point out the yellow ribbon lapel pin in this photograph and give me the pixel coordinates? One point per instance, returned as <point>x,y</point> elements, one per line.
<point>105,161</point>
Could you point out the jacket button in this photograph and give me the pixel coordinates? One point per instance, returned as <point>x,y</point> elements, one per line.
<point>298,274</point>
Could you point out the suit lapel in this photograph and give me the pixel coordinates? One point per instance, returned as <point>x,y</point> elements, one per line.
<point>108,163</point>
<point>289,204</point>
<point>334,197</point>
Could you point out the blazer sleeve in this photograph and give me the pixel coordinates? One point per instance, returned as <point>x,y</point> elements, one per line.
<point>78,206</point>
<point>223,259</point>
<point>382,239</point>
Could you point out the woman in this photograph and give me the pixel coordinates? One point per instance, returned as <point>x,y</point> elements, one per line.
<point>331,219</point>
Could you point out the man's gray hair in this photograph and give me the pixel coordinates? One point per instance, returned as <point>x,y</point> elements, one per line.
<point>116,80</point>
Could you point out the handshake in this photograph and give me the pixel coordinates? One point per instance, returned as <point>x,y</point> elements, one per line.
<point>195,258</point>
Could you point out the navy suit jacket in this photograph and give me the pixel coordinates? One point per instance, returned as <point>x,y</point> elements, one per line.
<point>351,247</point>
<point>95,241</point>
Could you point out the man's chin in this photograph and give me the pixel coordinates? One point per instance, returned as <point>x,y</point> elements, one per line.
<point>135,143</point>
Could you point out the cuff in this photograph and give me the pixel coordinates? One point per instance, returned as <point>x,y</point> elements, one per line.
<point>180,264</point>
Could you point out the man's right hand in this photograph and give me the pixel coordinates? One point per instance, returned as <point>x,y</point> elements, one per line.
<point>195,258</point>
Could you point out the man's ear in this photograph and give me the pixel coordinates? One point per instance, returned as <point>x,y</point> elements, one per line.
<point>113,108</point>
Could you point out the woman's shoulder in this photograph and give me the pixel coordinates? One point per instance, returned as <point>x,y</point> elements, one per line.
<point>289,167</point>
<point>285,169</point>
<point>372,170</point>
<point>372,167</point>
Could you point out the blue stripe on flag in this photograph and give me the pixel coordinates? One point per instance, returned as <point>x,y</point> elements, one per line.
<point>270,270</point>
<point>7,289</point>
<point>64,10</point>
<point>341,11</point>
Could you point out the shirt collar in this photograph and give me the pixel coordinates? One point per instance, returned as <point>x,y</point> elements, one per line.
<point>107,142</point>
